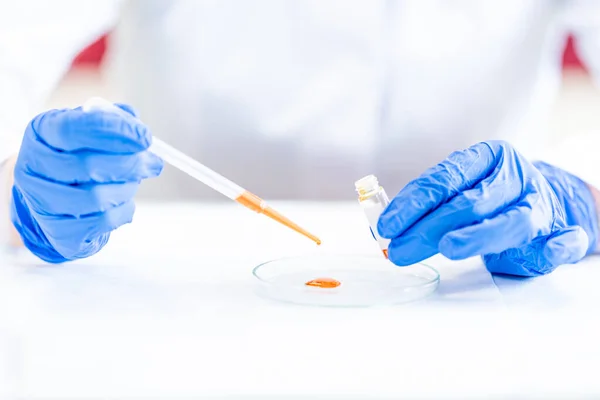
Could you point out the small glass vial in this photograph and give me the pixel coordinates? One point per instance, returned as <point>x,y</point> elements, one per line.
<point>373,200</point>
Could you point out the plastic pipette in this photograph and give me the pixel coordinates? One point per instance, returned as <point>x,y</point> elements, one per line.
<point>205,175</point>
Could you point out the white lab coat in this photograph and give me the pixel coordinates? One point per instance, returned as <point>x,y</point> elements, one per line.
<point>299,98</point>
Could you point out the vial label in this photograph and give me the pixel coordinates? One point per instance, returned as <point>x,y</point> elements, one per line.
<point>373,212</point>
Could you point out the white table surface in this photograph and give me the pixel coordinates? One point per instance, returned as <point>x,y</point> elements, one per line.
<point>168,310</point>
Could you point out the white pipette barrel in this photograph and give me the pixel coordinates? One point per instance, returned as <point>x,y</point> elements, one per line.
<point>195,169</point>
<point>204,174</point>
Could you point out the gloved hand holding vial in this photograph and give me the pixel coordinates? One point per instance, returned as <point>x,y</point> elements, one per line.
<point>525,218</point>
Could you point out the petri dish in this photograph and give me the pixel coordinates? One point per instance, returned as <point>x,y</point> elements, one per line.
<point>364,281</point>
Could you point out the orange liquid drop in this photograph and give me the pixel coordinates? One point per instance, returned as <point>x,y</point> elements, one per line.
<point>326,283</point>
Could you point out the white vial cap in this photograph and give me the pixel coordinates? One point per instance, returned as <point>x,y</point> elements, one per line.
<point>367,184</point>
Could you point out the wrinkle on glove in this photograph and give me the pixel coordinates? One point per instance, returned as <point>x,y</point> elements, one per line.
<point>75,179</point>
<point>524,219</point>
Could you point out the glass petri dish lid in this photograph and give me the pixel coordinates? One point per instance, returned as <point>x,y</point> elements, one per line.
<point>347,281</point>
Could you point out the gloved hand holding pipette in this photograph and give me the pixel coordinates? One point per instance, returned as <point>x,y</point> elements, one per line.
<point>78,172</point>
<point>524,218</point>
<point>75,179</point>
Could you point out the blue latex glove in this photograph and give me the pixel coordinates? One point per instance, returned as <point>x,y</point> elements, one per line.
<point>75,178</point>
<point>525,219</point>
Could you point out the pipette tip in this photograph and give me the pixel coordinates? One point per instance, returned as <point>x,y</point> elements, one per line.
<point>255,203</point>
<point>271,213</point>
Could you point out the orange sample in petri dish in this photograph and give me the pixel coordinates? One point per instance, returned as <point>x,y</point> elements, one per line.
<point>326,283</point>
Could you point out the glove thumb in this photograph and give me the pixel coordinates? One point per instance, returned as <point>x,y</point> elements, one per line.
<point>567,246</point>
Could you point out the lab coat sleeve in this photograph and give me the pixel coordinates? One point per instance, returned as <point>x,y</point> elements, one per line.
<point>38,41</point>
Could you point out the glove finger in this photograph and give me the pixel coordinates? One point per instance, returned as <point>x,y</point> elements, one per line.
<point>515,227</point>
<point>86,167</point>
<point>422,240</point>
<point>79,237</point>
<point>95,130</point>
<point>52,198</point>
<point>461,171</point>
<point>567,246</point>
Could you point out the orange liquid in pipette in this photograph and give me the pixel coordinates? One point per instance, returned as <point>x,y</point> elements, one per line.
<point>385,253</point>
<point>326,283</point>
<point>255,203</point>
